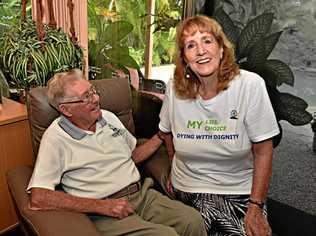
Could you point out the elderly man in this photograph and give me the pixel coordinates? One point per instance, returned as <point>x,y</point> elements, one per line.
<point>88,151</point>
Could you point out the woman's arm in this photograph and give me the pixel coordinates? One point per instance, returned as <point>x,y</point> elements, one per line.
<point>256,223</point>
<point>167,138</point>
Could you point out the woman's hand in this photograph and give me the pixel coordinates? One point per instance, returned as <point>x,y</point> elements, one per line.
<point>169,187</point>
<point>256,223</point>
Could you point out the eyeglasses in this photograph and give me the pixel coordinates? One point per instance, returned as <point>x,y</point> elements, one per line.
<point>86,98</point>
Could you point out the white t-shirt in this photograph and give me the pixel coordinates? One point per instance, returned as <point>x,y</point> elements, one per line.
<point>213,138</point>
<point>87,164</point>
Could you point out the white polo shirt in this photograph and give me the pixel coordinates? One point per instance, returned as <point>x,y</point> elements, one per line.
<point>86,164</point>
<point>213,138</point>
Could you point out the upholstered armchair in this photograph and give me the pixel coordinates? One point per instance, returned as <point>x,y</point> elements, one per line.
<point>139,113</point>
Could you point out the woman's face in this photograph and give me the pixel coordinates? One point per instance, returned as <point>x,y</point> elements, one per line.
<point>202,53</point>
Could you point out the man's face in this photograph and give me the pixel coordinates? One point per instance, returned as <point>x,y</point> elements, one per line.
<point>81,104</point>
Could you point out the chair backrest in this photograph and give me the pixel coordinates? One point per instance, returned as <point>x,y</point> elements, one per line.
<point>115,96</point>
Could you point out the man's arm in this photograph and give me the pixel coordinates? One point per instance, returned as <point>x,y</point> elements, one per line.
<point>145,150</point>
<point>256,223</point>
<point>45,199</point>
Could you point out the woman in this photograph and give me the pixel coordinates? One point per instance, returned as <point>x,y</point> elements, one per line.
<point>221,121</point>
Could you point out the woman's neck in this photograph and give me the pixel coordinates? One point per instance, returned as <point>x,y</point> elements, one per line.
<point>208,87</point>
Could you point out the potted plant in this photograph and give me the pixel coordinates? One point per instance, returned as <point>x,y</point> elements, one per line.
<point>253,45</point>
<point>31,55</point>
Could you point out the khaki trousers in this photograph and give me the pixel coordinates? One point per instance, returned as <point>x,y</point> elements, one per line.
<point>155,214</point>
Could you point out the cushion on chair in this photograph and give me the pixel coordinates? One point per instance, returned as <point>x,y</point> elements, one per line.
<point>115,96</point>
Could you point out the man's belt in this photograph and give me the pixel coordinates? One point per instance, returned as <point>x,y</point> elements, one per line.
<point>128,190</point>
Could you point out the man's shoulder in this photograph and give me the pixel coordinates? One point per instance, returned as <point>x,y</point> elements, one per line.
<point>53,130</point>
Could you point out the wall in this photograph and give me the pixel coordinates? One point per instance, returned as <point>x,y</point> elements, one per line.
<point>297,45</point>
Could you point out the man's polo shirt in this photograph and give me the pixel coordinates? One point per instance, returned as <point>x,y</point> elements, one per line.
<point>86,164</point>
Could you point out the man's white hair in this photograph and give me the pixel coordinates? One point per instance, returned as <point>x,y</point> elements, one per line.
<point>58,83</point>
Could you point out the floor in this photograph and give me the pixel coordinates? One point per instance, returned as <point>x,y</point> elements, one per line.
<point>294,169</point>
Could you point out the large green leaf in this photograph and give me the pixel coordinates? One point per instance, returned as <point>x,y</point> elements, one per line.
<point>262,49</point>
<point>292,101</point>
<point>120,56</point>
<point>278,72</point>
<point>292,109</point>
<point>227,23</point>
<point>254,31</point>
<point>116,31</point>
<point>129,61</point>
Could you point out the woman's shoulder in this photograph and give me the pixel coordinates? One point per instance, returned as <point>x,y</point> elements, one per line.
<point>249,76</point>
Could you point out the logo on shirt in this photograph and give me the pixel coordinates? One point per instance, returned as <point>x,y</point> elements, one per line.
<point>116,131</point>
<point>233,114</point>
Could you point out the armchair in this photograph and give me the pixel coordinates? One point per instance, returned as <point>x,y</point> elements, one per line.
<point>139,114</point>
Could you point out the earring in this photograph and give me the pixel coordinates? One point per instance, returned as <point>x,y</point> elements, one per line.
<point>186,72</point>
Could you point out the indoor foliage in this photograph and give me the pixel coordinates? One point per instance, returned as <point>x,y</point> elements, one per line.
<point>253,45</point>
<point>168,14</point>
<point>108,49</point>
<point>28,61</point>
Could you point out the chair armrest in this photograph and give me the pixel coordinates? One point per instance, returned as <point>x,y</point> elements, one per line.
<point>158,168</point>
<point>44,222</point>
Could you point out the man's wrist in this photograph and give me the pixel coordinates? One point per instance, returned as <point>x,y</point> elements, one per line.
<point>160,135</point>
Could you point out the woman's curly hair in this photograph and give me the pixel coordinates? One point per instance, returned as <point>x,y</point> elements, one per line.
<point>187,88</point>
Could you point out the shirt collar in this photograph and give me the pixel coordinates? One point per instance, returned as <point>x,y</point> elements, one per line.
<point>74,131</point>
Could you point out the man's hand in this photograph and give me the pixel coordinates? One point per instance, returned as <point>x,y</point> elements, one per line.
<point>256,223</point>
<point>118,208</point>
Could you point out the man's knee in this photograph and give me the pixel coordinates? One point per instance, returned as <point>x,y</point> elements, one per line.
<point>193,222</point>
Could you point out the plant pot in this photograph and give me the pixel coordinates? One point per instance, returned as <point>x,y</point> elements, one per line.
<point>18,95</point>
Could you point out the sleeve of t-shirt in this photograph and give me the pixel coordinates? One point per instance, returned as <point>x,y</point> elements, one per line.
<point>49,166</point>
<point>260,120</point>
<point>165,114</point>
